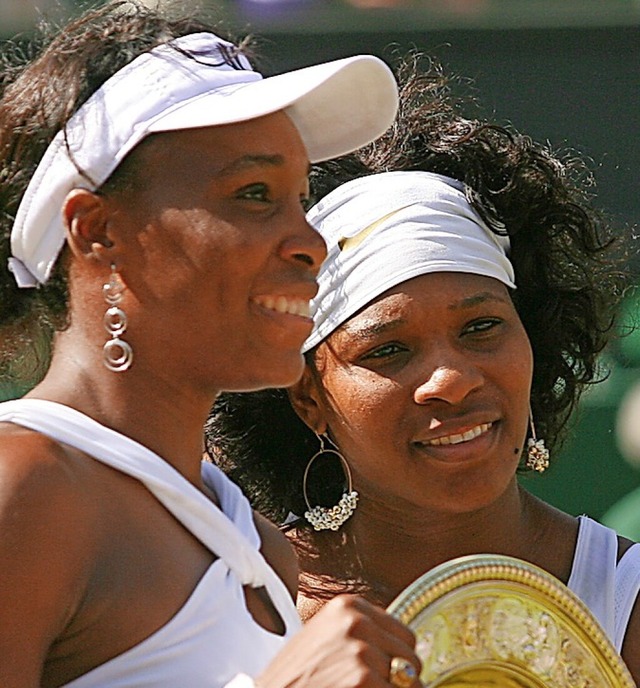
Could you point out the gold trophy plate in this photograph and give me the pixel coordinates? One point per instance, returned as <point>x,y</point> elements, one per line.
<point>487,620</point>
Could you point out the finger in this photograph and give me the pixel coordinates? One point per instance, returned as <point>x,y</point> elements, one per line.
<point>378,616</point>
<point>377,668</point>
<point>403,673</point>
<point>377,628</point>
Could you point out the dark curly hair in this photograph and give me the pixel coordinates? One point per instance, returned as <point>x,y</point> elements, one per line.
<point>570,268</point>
<point>42,84</point>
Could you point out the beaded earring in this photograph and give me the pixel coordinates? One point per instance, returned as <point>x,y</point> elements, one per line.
<point>537,453</point>
<point>330,518</point>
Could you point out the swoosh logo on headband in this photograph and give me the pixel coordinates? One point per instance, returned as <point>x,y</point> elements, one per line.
<point>348,243</point>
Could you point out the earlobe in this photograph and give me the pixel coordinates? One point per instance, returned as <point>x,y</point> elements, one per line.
<point>86,220</point>
<point>306,401</point>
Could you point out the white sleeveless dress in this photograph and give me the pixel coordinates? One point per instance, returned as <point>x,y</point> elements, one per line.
<point>212,639</point>
<point>609,588</point>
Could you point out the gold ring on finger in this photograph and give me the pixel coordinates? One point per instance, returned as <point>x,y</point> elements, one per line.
<point>402,673</point>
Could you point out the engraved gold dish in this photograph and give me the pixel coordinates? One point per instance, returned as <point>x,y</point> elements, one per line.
<point>487,621</point>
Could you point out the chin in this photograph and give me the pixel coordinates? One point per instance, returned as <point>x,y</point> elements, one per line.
<point>465,497</point>
<point>283,375</point>
<point>476,501</point>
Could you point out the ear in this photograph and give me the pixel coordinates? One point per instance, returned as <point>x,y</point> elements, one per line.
<point>308,400</point>
<point>85,215</point>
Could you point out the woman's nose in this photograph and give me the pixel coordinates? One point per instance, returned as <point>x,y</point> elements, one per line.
<point>304,245</point>
<point>448,383</point>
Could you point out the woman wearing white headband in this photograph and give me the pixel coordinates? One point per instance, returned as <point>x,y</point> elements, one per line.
<point>152,188</point>
<point>461,300</point>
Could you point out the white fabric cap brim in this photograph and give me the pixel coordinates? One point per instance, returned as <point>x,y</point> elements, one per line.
<point>166,90</point>
<point>318,99</point>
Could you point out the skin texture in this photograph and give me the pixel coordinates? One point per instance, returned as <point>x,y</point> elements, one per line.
<point>91,563</point>
<point>434,357</point>
<point>571,268</point>
<point>415,369</point>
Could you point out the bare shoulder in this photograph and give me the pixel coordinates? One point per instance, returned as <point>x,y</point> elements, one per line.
<point>278,551</point>
<point>45,523</point>
<point>631,645</point>
<point>623,545</point>
<point>29,462</point>
<point>33,466</point>
<point>43,498</point>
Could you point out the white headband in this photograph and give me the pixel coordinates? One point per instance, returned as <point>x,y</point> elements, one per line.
<point>165,90</point>
<point>387,228</point>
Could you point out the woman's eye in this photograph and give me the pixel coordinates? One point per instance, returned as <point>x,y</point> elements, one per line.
<point>254,192</point>
<point>481,326</point>
<point>384,351</point>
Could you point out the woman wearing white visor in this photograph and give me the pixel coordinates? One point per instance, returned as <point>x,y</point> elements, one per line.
<point>152,189</point>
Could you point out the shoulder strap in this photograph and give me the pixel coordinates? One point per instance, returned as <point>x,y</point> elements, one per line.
<point>627,588</point>
<point>197,513</point>
<point>592,576</point>
<point>232,501</point>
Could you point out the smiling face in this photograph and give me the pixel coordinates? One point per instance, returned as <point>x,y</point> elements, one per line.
<point>218,255</point>
<point>426,392</point>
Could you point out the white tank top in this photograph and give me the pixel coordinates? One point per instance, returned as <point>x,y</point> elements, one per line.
<point>609,588</point>
<point>213,637</point>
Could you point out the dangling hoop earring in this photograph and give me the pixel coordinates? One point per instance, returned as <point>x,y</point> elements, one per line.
<point>330,518</point>
<point>117,355</point>
<point>537,453</point>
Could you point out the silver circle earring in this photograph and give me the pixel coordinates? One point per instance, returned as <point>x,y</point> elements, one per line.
<point>330,518</point>
<point>117,354</point>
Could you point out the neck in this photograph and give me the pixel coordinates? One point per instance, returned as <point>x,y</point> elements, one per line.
<point>153,408</point>
<point>385,549</point>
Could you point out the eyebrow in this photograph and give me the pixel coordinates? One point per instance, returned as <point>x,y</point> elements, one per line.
<point>245,161</point>
<point>249,160</point>
<point>375,329</point>
<point>477,299</point>
<point>378,328</point>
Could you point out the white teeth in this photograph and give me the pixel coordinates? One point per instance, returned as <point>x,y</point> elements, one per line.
<point>464,437</point>
<point>304,309</point>
<point>281,304</point>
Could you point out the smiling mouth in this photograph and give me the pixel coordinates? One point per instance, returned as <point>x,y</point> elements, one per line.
<point>458,438</point>
<point>285,304</point>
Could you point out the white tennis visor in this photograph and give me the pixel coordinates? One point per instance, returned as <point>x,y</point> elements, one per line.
<point>336,106</point>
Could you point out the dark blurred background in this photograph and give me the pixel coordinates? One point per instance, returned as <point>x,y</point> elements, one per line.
<point>563,71</point>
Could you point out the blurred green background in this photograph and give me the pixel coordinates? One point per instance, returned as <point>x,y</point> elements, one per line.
<point>566,71</point>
